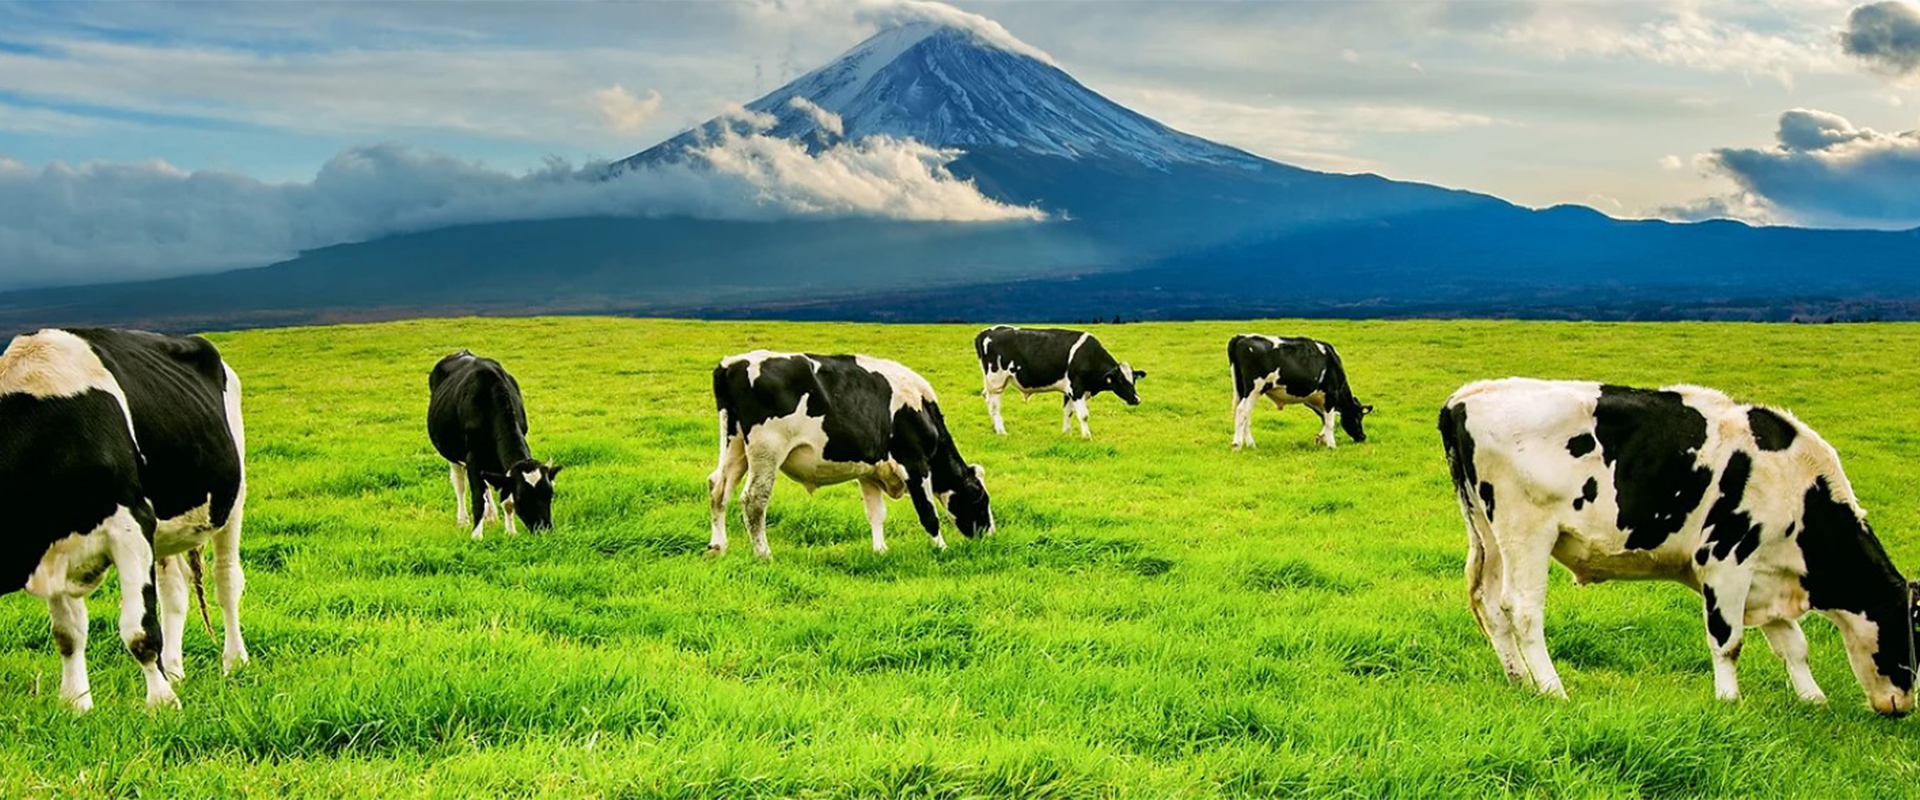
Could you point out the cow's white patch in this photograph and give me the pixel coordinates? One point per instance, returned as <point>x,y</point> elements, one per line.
<point>73,565</point>
<point>755,359</point>
<point>533,477</point>
<point>909,389</point>
<point>1075,349</point>
<point>184,532</point>
<point>56,363</point>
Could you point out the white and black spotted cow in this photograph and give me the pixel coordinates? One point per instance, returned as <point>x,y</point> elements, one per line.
<point>1292,371</point>
<point>127,449</point>
<point>1745,504</point>
<point>825,419</point>
<point>478,422</point>
<point>1035,360</point>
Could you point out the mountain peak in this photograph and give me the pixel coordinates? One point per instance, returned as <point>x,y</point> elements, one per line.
<point>961,83</point>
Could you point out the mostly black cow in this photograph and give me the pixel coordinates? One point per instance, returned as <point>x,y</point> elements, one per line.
<point>826,419</point>
<point>1744,504</point>
<point>1035,360</point>
<point>126,449</point>
<point>1292,371</point>
<point>478,422</point>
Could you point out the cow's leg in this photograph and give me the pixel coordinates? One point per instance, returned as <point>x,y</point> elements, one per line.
<point>1526,538</point>
<point>479,502</point>
<point>1784,636</point>
<point>763,467</point>
<point>1725,592</point>
<point>458,475</point>
<point>921,490</point>
<point>1483,597</point>
<point>229,582</point>
<point>876,499</point>
<point>1243,422</point>
<point>69,615</point>
<point>720,485</point>
<point>1325,439</point>
<point>1066,413</point>
<point>991,390</point>
<point>131,543</point>
<point>1080,413</point>
<point>172,572</point>
<point>507,511</point>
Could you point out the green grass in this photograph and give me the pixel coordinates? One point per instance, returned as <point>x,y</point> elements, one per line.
<point>1157,617</point>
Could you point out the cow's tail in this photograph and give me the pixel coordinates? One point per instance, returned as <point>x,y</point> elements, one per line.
<point>1453,423</point>
<point>723,403</point>
<point>200,589</point>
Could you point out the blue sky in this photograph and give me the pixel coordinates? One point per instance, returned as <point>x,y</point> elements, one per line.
<point>1657,107</point>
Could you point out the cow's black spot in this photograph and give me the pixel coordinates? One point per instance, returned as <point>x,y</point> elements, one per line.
<point>1716,627</point>
<point>1580,445</point>
<point>1727,526</point>
<point>1589,492</point>
<point>63,642</point>
<point>1848,570</point>
<point>1486,498</point>
<point>1700,555</point>
<point>1652,439</point>
<point>1771,431</point>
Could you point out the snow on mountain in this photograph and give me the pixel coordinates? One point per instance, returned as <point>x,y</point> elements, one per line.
<point>953,87</point>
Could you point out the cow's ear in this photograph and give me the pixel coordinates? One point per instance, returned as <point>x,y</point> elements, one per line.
<point>1138,374</point>
<point>979,472</point>
<point>1365,410</point>
<point>553,471</point>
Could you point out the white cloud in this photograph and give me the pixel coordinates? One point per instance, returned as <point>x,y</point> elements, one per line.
<point>1672,162</point>
<point>104,221</point>
<point>1824,171</point>
<point>1886,35</point>
<point>624,112</point>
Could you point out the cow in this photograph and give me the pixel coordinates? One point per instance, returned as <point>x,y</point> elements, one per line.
<point>478,423</point>
<point>825,419</point>
<point>1291,370</point>
<point>1742,503</point>
<point>1035,360</point>
<point>124,448</point>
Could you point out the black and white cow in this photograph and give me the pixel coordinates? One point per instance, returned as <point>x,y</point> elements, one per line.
<point>825,419</point>
<point>122,448</point>
<point>1292,371</point>
<point>478,422</point>
<point>1745,504</point>
<point>1035,360</point>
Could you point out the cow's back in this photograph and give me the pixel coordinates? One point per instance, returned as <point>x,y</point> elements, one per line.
<point>853,396</point>
<point>470,397</point>
<point>176,390</point>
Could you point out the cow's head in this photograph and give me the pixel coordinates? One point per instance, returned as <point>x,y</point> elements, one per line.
<point>1353,417</point>
<point>527,492</point>
<point>967,502</point>
<point>1121,379</point>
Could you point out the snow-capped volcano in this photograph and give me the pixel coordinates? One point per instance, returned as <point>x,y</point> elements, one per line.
<point>948,86</point>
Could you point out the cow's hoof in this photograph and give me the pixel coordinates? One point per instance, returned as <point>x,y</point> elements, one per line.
<point>233,661</point>
<point>715,551</point>
<point>1817,698</point>
<point>80,704</point>
<point>162,700</point>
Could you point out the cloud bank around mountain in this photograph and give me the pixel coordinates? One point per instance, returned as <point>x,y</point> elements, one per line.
<point>1824,172</point>
<point>96,222</point>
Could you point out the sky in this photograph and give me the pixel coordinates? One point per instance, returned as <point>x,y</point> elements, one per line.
<point>147,138</point>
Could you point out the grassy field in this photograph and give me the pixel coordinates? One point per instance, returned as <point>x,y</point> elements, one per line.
<point>1157,617</point>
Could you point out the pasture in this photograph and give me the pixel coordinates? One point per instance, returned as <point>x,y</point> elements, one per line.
<point>1157,616</point>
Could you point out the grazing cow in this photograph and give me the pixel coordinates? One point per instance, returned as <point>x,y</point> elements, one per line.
<point>1035,360</point>
<point>829,419</point>
<point>1292,371</point>
<point>1745,504</point>
<point>479,424</point>
<point>126,448</point>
